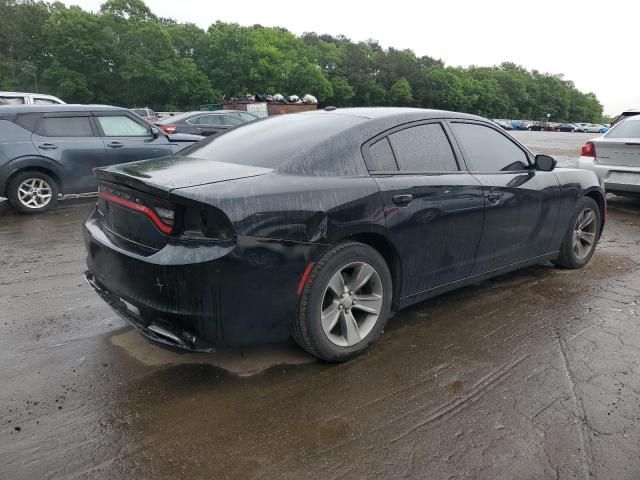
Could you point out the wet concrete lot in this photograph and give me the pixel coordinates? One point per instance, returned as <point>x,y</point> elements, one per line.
<point>531,375</point>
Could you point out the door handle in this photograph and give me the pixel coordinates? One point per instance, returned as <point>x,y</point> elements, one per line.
<point>114,144</point>
<point>47,146</point>
<point>402,200</point>
<point>494,198</point>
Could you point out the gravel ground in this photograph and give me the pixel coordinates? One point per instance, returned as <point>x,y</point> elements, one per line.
<point>531,375</point>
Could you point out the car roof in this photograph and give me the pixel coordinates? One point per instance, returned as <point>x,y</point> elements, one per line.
<point>56,108</point>
<point>390,112</point>
<point>27,93</point>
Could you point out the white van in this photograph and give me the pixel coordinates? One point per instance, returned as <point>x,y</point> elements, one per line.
<point>22,98</point>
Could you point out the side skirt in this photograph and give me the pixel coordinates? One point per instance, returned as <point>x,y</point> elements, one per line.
<point>419,297</point>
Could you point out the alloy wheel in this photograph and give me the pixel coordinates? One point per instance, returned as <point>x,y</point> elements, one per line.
<point>584,233</point>
<point>34,193</point>
<point>351,304</point>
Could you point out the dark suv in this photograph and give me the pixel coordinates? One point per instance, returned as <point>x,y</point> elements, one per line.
<point>48,150</point>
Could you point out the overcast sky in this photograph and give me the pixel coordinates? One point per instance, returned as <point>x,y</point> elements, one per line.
<point>593,43</point>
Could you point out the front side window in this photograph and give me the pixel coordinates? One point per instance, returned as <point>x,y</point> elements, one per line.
<point>65,127</point>
<point>122,126</point>
<point>487,150</point>
<point>423,148</point>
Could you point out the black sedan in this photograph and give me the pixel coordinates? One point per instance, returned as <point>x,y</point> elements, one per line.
<point>317,225</point>
<point>205,123</point>
<point>567,127</point>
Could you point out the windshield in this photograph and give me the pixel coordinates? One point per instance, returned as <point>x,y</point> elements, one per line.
<point>140,112</point>
<point>627,129</point>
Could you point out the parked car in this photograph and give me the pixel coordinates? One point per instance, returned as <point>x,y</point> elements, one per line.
<point>503,124</point>
<point>581,127</point>
<point>316,225</point>
<point>615,157</point>
<point>567,127</point>
<point>146,113</point>
<point>22,98</point>
<point>626,114</point>
<point>205,123</point>
<point>47,150</point>
<point>519,125</point>
<point>596,128</point>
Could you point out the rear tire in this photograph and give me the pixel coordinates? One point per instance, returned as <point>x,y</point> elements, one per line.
<point>583,233</point>
<point>345,303</point>
<point>32,192</point>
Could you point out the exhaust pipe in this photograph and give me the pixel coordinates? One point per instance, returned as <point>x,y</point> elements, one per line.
<point>158,330</point>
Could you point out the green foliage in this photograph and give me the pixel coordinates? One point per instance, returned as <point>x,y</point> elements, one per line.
<point>125,55</point>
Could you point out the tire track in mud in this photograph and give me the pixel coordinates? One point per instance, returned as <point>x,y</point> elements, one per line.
<point>456,405</point>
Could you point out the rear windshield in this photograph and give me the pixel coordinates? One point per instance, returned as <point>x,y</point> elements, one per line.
<point>271,142</point>
<point>625,129</point>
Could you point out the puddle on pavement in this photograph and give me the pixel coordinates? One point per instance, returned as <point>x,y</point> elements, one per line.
<point>242,362</point>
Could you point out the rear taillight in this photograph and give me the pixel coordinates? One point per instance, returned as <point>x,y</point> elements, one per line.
<point>161,214</point>
<point>167,128</point>
<point>588,150</point>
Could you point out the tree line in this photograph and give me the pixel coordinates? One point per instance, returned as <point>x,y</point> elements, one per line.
<point>125,55</point>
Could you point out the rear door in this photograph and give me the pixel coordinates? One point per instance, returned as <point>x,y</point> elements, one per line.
<point>207,124</point>
<point>128,139</point>
<point>70,138</point>
<point>433,206</point>
<point>521,204</point>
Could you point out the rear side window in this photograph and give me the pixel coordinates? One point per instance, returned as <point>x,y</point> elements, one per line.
<point>11,100</point>
<point>65,127</point>
<point>122,126</point>
<point>206,120</point>
<point>27,121</point>
<point>487,150</point>
<point>44,101</point>
<point>381,157</point>
<point>626,129</point>
<point>424,148</point>
<point>231,120</point>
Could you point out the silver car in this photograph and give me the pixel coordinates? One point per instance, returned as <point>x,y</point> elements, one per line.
<point>615,157</point>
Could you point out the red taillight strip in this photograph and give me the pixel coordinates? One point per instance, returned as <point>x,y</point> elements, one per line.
<point>153,216</point>
<point>305,277</point>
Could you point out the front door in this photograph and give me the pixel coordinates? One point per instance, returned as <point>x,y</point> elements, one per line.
<point>521,204</point>
<point>128,139</point>
<point>70,139</point>
<point>433,206</point>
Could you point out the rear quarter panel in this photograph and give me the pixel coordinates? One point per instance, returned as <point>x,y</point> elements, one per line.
<point>296,208</point>
<point>574,183</point>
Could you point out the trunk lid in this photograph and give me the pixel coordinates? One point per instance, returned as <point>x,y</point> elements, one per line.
<point>618,151</point>
<point>160,176</point>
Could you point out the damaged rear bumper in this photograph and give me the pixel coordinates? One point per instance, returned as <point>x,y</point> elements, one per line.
<point>158,332</point>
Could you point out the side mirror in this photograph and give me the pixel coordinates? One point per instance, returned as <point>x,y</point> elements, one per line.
<point>155,132</point>
<point>545,163</point>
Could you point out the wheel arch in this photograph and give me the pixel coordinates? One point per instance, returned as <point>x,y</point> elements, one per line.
<point>34,168</point>
<point>389,253</point>
<point>600,199</point>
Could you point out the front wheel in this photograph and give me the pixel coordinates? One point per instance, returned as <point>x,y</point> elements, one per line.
<point>32,192</point>
<point>345,303</point>
<point>583,234</point>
